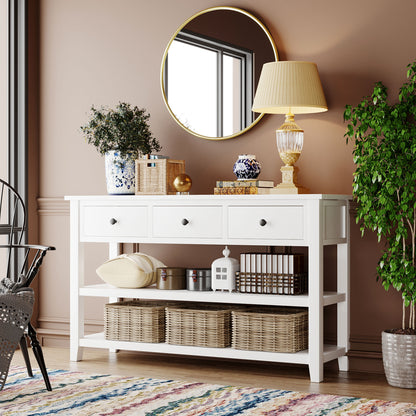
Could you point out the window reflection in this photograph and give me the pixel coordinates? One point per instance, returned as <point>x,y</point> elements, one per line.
<point>192,86</point>
<point>208,84</point>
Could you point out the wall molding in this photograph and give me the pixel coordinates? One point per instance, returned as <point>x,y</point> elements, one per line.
<point>53,206</point>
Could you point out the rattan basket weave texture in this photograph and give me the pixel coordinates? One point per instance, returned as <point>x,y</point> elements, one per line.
<point>199,325</point>
<point>135,321</point>
<point>274,329</point>
<point>156,176</point>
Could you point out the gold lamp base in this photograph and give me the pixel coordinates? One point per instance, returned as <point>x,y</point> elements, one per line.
<point>289,182</point>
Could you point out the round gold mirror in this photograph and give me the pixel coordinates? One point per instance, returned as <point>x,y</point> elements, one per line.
<point>210,71</point>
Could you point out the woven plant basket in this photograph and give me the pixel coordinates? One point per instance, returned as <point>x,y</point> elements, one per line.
<point>399,359</point>
<point>135,321</point>
<point>272,329</point>
<point>199,325</point>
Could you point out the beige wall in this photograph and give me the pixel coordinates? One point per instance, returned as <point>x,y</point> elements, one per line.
<point>103,51</point>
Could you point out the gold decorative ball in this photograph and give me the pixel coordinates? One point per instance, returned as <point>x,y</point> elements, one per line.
<point>182,183</point>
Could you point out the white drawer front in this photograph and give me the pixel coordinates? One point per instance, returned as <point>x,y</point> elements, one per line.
<point>187,221</point>
<point>106,221</point>
<point>271,222</point>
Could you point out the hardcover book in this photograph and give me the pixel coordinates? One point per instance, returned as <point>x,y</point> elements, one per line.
<point>242,190</point>
<point>238,184</point>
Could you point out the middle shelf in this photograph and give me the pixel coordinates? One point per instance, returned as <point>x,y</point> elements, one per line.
<point>106,290</point>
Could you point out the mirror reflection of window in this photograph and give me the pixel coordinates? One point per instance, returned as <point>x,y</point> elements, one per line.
<point>232,97</point>
<point>204,84</point>
<point>192,86</point>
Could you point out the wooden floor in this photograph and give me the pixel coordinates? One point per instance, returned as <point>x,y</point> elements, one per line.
<point>236,373</point>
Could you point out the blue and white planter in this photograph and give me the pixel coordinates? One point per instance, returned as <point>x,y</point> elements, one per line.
<point>120,173</point>
<point>247,167</point>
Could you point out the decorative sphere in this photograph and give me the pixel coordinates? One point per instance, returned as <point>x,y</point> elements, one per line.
<point>182,183</point>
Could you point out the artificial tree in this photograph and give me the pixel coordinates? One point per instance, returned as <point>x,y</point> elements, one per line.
<point>384,183</point>
<point>125,129</point>
<point>122,135</point>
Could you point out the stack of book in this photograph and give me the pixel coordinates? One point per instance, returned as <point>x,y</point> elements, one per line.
<point>247,187</point>
<point>281,274</point>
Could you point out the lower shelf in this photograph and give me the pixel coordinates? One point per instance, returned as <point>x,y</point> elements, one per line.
<point>330,352</point>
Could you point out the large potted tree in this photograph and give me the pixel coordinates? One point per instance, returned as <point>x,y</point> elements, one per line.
<point>122,135</point>
<point>384,187</point>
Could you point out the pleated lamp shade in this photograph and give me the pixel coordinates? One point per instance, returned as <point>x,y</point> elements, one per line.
<point>289,87</point>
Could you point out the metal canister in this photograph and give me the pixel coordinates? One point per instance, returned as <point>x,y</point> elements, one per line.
<point>198,279</point>
<point>172,278</point>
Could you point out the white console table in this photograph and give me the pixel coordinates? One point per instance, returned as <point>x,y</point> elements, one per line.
<point>311,221</point>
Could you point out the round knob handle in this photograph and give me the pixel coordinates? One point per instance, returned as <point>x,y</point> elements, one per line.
<point>262,222</point>
<point>113,221</point>
<point>184,221</point>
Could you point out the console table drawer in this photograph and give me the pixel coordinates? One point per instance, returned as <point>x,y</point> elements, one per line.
<point>271,222</point>
<point>114,221</point>
<point>187,221</point>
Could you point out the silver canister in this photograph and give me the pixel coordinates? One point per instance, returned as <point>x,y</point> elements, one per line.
<point>198,279</point>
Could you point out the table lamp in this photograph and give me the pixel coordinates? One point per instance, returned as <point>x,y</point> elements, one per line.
<point>289,87</point>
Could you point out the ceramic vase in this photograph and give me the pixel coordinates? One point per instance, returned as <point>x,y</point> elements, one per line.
<point>399,359</point>
<point>120,173</point>
<point>246,167</point>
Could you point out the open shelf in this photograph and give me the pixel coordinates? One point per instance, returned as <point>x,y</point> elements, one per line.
<point>105,290</point>
<point>302,357</point>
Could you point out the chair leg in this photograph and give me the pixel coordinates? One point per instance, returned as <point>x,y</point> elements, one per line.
<point>23,348</point>
<point>37,350</point>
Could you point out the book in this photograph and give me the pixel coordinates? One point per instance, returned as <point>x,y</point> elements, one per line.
<point>281,274</point>
<point>248,183</point>
<point>243,190</point>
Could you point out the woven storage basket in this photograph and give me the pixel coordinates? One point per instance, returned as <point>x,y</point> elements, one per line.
<point>270,329</point>
<point>135,321</point>
<point>199,325</point>
<point>272,283</point>
<point>156,176</point>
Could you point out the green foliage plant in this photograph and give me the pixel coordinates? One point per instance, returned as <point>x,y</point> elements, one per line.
<point>125,129</point>
<point>384,183</point>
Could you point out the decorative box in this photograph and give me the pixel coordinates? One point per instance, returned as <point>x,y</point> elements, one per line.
<point>171,278</point>
<point>276,329</point>
<point>156,176</point>
<point>198,279</point>
<point>223,271</point>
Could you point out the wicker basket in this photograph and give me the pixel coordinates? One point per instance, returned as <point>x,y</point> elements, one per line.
<point>272,283</point>
<point>270,329</point>
<point>156,176</point>
<point>135,321</point>
<point>199,325</point>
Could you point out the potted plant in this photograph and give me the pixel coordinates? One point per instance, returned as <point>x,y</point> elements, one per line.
<point>384,186</point>
<point>122,135</point>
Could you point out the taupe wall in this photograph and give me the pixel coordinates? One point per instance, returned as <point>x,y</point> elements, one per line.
<point>103,51</point>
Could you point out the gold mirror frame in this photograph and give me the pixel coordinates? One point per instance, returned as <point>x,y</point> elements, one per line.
<point>272,44</point>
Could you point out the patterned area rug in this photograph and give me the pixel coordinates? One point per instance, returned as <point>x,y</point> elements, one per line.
<point>82,394</point>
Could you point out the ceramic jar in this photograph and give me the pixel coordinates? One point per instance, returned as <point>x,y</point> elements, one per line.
<point>246,167</point>
<point>120,173</point>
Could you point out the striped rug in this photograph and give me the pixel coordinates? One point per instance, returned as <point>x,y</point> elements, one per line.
<point>82,394</point>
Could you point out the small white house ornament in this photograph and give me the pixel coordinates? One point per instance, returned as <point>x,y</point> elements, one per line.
<point>223,272</point>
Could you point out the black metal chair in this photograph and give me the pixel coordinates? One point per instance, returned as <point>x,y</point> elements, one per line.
<point>20,264</point>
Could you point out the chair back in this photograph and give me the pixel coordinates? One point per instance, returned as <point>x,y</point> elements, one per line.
<point>12,228</point>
